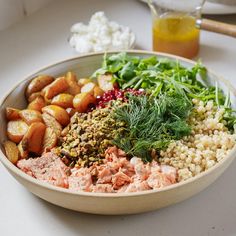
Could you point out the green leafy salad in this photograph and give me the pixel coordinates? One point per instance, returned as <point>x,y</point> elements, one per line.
<point>159,115</point>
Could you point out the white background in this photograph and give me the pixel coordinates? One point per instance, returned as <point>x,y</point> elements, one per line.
<point>41,39</point>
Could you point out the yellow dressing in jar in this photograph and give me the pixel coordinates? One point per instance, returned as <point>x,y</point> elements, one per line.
<point>176,33</point>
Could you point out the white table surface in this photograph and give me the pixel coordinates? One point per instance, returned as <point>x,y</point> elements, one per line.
<point>40,40</point>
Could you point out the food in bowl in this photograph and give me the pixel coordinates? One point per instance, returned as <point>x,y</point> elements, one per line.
<point>135,124</point>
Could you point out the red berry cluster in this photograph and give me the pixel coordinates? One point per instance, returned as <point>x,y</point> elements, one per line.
<point>116,94</point>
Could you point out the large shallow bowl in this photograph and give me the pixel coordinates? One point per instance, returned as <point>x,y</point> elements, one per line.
<point>107,203</point>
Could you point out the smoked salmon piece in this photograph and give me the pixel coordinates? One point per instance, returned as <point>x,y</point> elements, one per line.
<point>48,168</point>
<point>117,174</point>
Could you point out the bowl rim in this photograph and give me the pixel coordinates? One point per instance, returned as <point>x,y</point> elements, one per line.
<point>51,187</point>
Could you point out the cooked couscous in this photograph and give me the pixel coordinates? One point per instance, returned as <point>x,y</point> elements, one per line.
<point>209,142</point>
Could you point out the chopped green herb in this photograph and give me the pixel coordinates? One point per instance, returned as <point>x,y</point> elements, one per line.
<point>152,123</point>
<point>164,76</point>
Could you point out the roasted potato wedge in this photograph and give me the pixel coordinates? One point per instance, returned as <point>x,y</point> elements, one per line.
<point>37,104</point>
<point>57,86</point>
<point>64,100</point>
<point>33,139</point>
<point>105,82</point>
<point>49,139</point>
<point>12,151</point>
<point>51,122</point>
<point>58,113</point>
<point>16,130</point>
<point>31,116</point>
<point>81,101</point>
<point>38,83</point>
<point>12,113</point>
<point>74,87</point>
<point>97,91</point>
<point>88,88</point>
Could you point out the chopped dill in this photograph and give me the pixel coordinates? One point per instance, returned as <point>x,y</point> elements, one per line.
<point>152,123</point>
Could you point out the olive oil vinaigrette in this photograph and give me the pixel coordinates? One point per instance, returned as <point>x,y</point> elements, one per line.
<point>176,33</point>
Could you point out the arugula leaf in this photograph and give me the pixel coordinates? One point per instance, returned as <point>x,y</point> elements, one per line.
<point>127,72</point>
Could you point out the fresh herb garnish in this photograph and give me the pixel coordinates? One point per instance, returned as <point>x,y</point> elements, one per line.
<point>152,123</point>
<point>159,76</point>
<point>164,76</point>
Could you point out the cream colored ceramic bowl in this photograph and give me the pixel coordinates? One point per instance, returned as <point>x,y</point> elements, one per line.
<point>106,203</point>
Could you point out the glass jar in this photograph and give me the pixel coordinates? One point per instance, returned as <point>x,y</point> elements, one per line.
<point>174,26</point>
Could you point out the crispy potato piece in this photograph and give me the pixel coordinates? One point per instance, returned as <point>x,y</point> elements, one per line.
<point>49,139</point>
<point>63,100</point>
<point>38,83</point>
<point>51,122</point>
<point>74,87</point>
<point>83,81</point>
<point>37,104</point>
<point>32,140</point>
<point>58,113</point>
<point>57,86</point>
<point>81,101</point>
<point>16,130</point>
<point>97,91</point>
<point>31,116</point>
<point>70,111</point>
<point>105,83</point>
<point>88,88</point>
<point>33,96</point>
<point>12,113</point>
<point>12,151</point>
<point>37,130</point>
